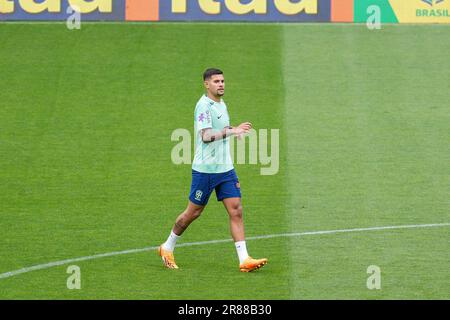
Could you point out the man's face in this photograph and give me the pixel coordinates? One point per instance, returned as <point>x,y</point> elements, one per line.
<point>216,85</point>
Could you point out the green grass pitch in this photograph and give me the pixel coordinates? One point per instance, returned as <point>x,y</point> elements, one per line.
<point>85,123</point>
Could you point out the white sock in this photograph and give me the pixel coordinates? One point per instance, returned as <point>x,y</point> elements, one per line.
<point>169,245</point>
<point>241,249</point>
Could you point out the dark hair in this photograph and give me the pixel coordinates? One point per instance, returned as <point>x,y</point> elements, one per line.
<point>210,72</point>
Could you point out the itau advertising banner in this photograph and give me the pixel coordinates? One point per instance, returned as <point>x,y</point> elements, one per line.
<point>256,10</point>
<point>169,10</point>
<point>348,11</point>
<point>61,9</point>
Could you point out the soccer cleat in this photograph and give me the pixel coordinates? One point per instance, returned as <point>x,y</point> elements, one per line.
<point>251,264</point>
<point>167,258</point>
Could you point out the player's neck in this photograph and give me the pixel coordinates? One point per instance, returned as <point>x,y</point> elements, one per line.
<point>213,97</point>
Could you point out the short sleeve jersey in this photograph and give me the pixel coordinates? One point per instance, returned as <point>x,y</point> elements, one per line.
<point>212,157</point>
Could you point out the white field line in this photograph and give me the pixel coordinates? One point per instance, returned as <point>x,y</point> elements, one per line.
<point>190,244</point>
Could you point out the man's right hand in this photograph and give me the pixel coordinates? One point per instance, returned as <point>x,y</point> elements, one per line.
<point>242,129</point>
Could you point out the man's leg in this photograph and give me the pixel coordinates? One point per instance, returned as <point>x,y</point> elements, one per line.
<point>234,209</point>
<point>192,212</point>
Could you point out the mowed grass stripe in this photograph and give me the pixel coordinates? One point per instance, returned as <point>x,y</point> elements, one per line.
<point>367,144</point>
<point>86,123</point>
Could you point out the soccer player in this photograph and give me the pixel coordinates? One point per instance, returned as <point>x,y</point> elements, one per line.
<point>212,169</point>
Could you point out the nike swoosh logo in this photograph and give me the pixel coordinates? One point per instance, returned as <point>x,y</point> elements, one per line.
<point>220,116</point>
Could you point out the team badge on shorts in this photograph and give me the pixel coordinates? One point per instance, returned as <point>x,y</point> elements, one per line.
<point>198,195</point>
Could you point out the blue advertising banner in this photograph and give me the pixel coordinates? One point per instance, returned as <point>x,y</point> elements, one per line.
<point>246,10</point>
<point>99,10</point>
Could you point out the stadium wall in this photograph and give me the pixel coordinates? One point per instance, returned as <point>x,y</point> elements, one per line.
<point>341,11</point>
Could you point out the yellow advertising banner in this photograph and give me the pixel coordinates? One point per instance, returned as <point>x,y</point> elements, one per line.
<point>421,11</point>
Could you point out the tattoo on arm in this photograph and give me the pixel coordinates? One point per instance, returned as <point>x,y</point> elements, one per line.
<point>205,133</point>
<point>209,136</point>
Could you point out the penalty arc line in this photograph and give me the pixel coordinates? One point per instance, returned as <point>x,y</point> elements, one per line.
<point>189,244</point>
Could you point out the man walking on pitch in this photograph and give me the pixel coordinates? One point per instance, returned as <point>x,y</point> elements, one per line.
<point>212,169</point>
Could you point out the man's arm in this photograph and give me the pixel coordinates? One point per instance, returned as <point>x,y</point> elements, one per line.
<point>208,135</point>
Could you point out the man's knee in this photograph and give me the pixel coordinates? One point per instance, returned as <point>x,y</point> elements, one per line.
<point>194,213</point>
<point>236,212</point>
<point>197,212</point>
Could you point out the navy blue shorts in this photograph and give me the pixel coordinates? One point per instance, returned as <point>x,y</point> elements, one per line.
<point>226,185</point>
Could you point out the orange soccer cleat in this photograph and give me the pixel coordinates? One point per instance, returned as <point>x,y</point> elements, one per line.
<point>167,258</point>
<point>251,264</point>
